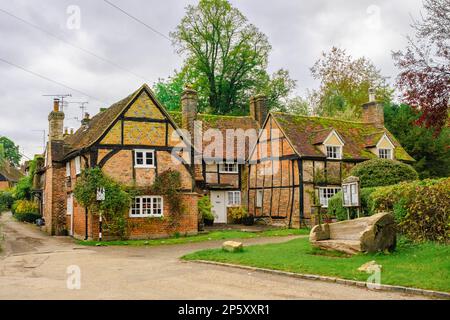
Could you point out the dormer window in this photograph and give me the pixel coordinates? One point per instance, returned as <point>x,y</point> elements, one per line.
<point>385,153</point>
<point>334,152</point>
<point>385,148</point>
<point>333,145</point>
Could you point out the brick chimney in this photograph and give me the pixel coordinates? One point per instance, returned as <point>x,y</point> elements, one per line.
<point>189,104</point>
<point>56,122</point>
<point>86,119</point>
<point>373,111</point>
<point>259,108</point>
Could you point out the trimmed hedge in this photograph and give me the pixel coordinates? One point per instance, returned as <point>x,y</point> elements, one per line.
<point>421,208</point>
<point>382,172</point>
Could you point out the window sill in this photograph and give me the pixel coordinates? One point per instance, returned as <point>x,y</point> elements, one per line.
<point>147,216</point>
<point>144,167</point>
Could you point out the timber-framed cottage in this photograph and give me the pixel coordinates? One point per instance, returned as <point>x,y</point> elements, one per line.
<point>298,159</point>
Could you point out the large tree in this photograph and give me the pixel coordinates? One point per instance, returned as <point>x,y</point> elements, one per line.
<point>425,65</point>
<point>430,151</point>
<point>226,58</point>
<point>345,84</point>
<point>10,151</point>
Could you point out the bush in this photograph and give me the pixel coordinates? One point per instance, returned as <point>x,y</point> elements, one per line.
<point>30,217</point>
<point>237,214</point>
<point>382,172</point>
<point>421,208</point>
<point>25,206</point>
<point>336,209</point>
<point>205,208</point>
<point>6,201</point>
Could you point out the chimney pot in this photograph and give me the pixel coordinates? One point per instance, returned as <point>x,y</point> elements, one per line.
<point>56,105</point>
<point>372,96</point>
<point>71,130</point>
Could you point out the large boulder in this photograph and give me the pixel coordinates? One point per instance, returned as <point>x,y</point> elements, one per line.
<point>370,234</point>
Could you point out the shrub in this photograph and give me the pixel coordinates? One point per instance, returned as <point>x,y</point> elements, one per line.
<point>22,191</point>
<point>30,217</point>
<point>205,208</point>
<point>427,213</point>
<point>421,208</point>
<point>6,201</point>
<point>382,172</point>
<point>25,206</point>
<point>336,208</point>
<point>237,214</point>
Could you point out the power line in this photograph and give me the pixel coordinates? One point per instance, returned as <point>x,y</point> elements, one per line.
<point>73,45</point>
<point>51,80</point>
<point>136,19</point>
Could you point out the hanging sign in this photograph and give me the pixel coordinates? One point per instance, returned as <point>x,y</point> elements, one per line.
<point>101,194</point>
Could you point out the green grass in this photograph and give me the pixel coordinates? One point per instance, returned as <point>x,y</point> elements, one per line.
<point>215,235</point>
<point>425,266</point>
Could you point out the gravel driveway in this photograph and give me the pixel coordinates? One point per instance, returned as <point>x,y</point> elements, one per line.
<point>34,266</point>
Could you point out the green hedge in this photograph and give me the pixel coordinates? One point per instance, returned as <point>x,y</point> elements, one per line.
<point>421,208</point>
<point>382,172</point>
<point>30,217</point>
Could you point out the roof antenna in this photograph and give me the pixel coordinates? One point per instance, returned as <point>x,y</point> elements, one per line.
<point>60,96</point>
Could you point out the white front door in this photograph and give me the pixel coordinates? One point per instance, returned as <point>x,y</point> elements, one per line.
<point>219,208</point>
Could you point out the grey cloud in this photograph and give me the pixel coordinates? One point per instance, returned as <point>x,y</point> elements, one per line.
<point>297,30</point>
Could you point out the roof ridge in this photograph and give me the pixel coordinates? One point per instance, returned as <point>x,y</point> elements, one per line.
<point>318,117</point>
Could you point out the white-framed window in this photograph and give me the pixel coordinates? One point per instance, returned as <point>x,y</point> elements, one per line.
<point>385,153</point>
<point>68,169</point>
<point>70,204</point>
<point>146,206</point>
<point>77,165</point>
<point>334,152</point>
<point>259,198</point>
<point>144,158</point>
<point>228,168</point>
<point>234,198</point>
<point>325,194</point>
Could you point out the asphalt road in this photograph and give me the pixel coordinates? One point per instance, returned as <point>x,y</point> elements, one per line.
<point>34,266</point>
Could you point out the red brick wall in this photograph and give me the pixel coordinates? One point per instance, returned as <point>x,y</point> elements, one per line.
<point>146,228</point>
<point>4,185</point>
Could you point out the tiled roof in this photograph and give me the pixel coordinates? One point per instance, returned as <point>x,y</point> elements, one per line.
<point>10,172</point>
<point>83,137</point>
<point>223,123</point>
<point>305,132</point>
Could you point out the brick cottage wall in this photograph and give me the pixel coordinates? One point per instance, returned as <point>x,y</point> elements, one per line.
<point>145,228</point>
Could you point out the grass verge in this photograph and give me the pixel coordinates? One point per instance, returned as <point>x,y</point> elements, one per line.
<point>425,266</point>
<point>214,235</point>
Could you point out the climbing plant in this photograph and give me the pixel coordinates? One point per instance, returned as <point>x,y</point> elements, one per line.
<point>113,208</point>
<point>168,184</point>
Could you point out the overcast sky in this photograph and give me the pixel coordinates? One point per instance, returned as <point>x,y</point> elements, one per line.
<point>298,31</point>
